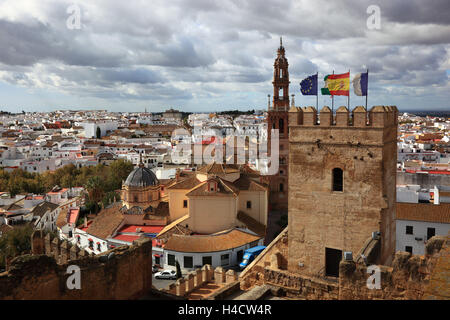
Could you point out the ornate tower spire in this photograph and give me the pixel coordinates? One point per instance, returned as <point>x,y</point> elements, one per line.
<point>281,80</point>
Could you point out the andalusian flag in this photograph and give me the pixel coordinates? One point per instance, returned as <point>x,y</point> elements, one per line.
<point>337,84</point>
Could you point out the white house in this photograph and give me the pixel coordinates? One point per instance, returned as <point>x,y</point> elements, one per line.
<point>416,223</point>
<point>224,249</point>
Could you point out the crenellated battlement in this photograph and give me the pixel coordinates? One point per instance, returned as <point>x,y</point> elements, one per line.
<point>61,250</point>
<point>124,272</point>
<point>377,117</point>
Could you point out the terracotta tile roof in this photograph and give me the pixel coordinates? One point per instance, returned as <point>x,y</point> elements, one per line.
<point>43,207</point>
<point>107,221</point>
<point>212,168</point>
<point>210,243</point>
<point>187,184</point>
<point>174,228</point>
<point>424,212</point>
<point>61,220</point>
<point>245,183</point>
<point>162,210</point>
<point>225,188</point>
<point>251,223</point>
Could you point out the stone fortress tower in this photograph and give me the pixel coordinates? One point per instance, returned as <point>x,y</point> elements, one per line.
<point>342,176</point>
<point>278,119</point>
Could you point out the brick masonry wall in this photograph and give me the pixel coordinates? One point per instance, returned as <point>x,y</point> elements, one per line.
<point>320,218</point>
<point>126,275</point>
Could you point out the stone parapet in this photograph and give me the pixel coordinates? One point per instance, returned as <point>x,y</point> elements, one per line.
<point>378,116</point>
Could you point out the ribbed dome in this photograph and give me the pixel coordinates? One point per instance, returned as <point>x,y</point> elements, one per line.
<point>141,177</point>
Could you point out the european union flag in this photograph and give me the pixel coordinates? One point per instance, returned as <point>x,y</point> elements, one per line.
<point>308,86</point>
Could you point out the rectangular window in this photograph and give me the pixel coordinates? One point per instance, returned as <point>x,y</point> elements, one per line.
<point>409,229</point>
<point>249,204</point>
<point>338,179</point>
<point>224,259</point>
<point>409,249</point>
<point>207,260</point>
<point>188,262</point>
<point>431,232</point>
<point>184,203</point>
<point>171,260</point>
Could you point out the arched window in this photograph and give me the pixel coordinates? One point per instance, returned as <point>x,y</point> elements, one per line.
<point>281,187</point>
<point>338,179</point>
<point>135,198</point>
<point>281,125</point>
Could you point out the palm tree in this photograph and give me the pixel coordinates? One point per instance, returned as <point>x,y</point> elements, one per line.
<point>94,188</point>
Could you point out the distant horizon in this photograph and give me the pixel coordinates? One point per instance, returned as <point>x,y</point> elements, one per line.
<point>242,109</point>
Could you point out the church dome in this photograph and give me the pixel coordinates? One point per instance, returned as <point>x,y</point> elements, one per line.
<point>141,177</point>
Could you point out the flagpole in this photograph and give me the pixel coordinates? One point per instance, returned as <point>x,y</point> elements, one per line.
<point>332,102</point>
<point>348,97</point>
<point>317,92</point>
<point>367,93</point>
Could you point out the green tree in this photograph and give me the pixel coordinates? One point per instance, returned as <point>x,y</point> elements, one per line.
<point>95,189</point>
<point>15,242</point>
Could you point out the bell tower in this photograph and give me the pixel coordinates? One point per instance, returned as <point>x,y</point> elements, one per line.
<point>281,80</point>
<point>277,119</point>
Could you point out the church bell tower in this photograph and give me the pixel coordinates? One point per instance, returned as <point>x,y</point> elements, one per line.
<point>277,118</point>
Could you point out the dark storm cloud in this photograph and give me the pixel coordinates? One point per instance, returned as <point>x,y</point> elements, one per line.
<point>184,49</point>
<point>418,11</point>
<point>131,76</point>
<point>26,44</point>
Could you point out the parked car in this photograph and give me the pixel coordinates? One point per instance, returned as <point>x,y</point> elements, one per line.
<point>166,274</point>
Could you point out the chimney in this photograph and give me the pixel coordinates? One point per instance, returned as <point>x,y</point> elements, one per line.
<point>177,174</point>
<point>436,195</point>
<point>85,222</point>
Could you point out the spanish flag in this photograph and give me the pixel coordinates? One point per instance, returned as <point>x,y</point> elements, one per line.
<point>337,84</point>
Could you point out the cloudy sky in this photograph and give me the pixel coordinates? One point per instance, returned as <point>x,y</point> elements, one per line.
<point>204,55</point>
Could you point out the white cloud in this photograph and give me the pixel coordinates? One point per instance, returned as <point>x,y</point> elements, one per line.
<point>216,53</point>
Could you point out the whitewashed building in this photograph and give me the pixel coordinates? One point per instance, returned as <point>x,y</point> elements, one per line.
<point>224,249</point>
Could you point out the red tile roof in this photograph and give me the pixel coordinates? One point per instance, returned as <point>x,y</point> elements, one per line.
<point>73,215</point>
<point>145,229</point>
<point>122,237</point>
<point>429,212</point>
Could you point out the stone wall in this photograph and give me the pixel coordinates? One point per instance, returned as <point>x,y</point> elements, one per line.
<point>270,267</point>
<point>319,218</point>
<point>276,252</point>
<point>122,273</point>
<point>408,278</point>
